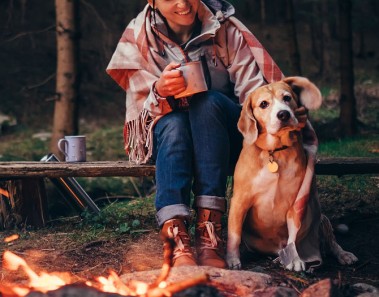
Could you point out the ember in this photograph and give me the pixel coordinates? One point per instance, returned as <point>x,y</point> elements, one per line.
<point>50,284</point>
<point>11,238</point>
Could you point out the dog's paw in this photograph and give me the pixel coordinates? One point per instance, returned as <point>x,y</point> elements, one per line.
<point>296,265</point>
<point>290,258</point>
<point>346,258</point>
<point>234,263</point>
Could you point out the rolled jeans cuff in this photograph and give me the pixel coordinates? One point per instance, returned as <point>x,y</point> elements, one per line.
<point>211,202</point>
<point>173,211</point>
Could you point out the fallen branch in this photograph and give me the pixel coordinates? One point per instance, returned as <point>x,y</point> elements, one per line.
<point>294,287</point>
<point>294,278</point>
<point>51,76</point>
<point>22,34</point>
<point>362,265</point>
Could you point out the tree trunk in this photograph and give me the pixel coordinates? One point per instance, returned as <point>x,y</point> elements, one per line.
<point>294,53</point>
<point>67,84</point>
<point>348,117</point>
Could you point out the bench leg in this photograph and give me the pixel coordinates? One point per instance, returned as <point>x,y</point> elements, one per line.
<point>25,205</point>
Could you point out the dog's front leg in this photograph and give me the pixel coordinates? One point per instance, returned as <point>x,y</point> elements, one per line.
<point>236,218</point>
<point>289,256</point>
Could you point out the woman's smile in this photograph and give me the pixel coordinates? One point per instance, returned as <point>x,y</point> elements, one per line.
<point>186,12</point>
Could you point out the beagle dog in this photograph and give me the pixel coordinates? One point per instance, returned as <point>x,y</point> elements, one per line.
<point>275,207</point>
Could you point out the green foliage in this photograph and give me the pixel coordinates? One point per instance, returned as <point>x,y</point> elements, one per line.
<point>27,145</point>
<point>126,217</point>
<point>324,114</point>
<point>360,146</point>
<point>23,147</point>
<point>108,186</point>
<point>106,144</point>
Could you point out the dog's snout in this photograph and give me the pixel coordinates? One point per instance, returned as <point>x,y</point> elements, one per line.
<point>283,115</point>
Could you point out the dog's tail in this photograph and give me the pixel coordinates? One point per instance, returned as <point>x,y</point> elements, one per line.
<point>327,238</point>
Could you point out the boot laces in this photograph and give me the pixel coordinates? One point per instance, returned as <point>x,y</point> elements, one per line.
<point>180,249</point>
<point>210,241</point>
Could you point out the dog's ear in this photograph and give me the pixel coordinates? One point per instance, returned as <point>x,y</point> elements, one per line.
<point>247,124</point>
<point>309,95</point>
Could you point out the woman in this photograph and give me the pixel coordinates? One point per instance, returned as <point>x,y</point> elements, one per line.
<point>194,141</point>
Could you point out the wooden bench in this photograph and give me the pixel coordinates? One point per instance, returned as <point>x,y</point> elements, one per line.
<point>25,180</point>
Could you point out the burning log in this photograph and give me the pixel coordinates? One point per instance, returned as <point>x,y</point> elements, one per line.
<point>84,291</point>
<point>74,291</point>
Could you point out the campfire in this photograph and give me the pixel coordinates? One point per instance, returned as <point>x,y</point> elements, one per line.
<point>166,282</point>
<point>44,282</point>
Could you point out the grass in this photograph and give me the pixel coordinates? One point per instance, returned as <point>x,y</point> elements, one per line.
<point>359,146</point>
<point>122,217</point>
<point>116,196</point>
<point>324,114</point>
<point>20,146</point>
<point>28,145</point>
<point>106,144</point>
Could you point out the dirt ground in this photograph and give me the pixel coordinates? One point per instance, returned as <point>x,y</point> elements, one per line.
<point>55,249</point>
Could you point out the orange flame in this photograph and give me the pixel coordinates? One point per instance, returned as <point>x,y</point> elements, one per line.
<point>45,282</point>
<point>4,192</point>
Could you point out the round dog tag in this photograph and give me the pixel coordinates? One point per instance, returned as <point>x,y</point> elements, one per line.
<point>273,166</point>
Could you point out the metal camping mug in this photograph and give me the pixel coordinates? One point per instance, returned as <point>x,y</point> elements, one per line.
<point>194,76</point>
<point>73,147</point>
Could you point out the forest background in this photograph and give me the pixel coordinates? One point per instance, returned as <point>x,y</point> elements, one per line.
<point>303,36</point>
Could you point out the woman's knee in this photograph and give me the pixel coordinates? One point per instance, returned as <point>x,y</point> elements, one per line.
<point>209,99</point>
<point>173,128</point>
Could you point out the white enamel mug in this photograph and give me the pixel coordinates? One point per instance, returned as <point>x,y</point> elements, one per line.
<point>73,148</point>
<point>194,76</point>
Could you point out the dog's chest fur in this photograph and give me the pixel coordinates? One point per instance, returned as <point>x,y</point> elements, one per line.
<point>277,191</point>
<point>270,195</point>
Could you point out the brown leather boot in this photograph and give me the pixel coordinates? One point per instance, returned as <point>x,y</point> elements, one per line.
<point>209,243</point>
<point>176,230</point>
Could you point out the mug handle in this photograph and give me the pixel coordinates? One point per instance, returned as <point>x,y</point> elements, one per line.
<point>62,149</point>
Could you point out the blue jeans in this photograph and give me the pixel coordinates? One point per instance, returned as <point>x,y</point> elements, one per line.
<point>195,150</point>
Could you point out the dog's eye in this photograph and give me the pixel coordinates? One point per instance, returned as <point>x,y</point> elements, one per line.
<point>264,104</point>
<point>287,98</point>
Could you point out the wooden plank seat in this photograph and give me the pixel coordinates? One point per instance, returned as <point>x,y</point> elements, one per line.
<point>24,181</point>
<point>29,169</point>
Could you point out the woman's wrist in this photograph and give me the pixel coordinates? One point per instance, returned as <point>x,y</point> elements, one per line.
<point>156,94</point>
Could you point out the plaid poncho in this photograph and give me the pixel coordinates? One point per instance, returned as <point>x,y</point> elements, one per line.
<point>135,66</point>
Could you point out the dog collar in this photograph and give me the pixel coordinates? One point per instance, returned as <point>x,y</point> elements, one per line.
<point>272,165</point>
<point>271,152</point>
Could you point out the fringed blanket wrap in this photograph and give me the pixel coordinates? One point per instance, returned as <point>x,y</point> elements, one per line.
<point>135,68</point>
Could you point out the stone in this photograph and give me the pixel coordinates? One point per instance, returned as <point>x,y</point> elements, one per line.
<point>240,283</point>
<point>275,292</point>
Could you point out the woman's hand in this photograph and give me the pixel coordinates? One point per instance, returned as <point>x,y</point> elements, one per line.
<point>171,81</point>
<point>301,114</point>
